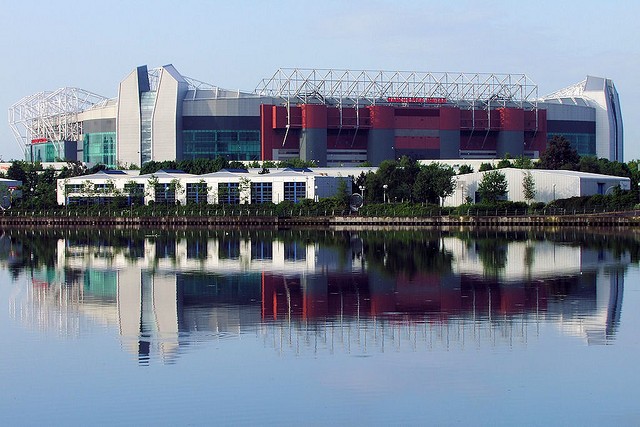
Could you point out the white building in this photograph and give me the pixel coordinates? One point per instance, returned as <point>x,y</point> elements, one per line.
<point>228,186</point>
<point>549,185</point>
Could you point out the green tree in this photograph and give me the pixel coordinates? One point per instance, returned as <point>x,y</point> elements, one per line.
<point>493,186</point>
<point>433,183</point>
<point>485,167</point>
<point>528,187</point>
<point>559,155</point>
<point>150,188</point>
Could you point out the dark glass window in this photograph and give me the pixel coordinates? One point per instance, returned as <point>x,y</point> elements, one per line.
<point>295,191</point>
<point>99,147</point>
<point>228,193</point>
<point>294,251</point>
<point>197,192</point>
<point>261,192</point>
<point>165,194</point>
<point>232,144</point>
<point>134,193</point>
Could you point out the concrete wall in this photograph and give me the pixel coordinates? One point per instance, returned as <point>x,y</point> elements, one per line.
<point>167,116</point>
<point>128,117</point>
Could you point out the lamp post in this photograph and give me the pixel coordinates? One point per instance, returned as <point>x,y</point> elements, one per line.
<point>315,194</point>
<point>362,188</point>
<point>31,201</point>
<point>384,193</point>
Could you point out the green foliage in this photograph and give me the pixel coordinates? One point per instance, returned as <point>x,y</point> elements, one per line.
<point>196,167</point>
<point>559,155</point>
<point>485,167</point>
<point>236,165</point>
<point>504,163</point>
<point>398,175</point>
<point>73,169</point>
<point>153,166</point>
<point>619,200</point>
<point>296,163</point>
<point>433,182</point>
<point>522,162</point>
<point>493,186</point>
<point>269,164</point>
<point>463,169</point>
<point>490,208</point>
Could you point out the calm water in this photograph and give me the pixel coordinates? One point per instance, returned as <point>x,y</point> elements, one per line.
<point>319,327</point>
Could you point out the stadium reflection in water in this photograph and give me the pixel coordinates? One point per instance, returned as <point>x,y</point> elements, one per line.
<point>319,291</point>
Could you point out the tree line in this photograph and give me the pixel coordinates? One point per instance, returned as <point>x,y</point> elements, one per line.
<point>395,181</point>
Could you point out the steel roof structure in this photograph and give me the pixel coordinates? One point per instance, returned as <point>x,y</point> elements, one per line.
<point>358,87</point>
<point>51,116</point>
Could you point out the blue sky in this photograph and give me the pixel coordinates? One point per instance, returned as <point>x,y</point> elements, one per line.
<point>93,45</point>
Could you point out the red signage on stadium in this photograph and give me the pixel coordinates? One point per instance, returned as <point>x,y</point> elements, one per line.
<point>39,140</point>
<point>416,100</point>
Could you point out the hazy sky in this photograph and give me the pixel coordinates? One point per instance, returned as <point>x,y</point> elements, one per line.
<point>93,45</point>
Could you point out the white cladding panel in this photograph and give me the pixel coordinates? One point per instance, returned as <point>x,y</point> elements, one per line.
<point>128,121</point>
<point>608,119</point>
<point>110,111</point>
<point>595,90</point>
<point>167,118</point>
<point>222,107</point>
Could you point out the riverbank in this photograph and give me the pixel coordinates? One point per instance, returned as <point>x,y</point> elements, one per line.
<point>622,219</point>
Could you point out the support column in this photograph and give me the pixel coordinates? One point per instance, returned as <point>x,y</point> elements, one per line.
<point>313,136</point>
<point>511,136</point>
<point>449,133</point>
<point>381,138</point>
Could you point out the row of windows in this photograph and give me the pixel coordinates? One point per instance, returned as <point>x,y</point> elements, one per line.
<point>98,188</point>
<point>228,192</point>
<point>230,249</point>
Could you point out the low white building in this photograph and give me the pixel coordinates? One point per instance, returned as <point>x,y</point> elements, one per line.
<point>228,186</point>
<point>549,185</point>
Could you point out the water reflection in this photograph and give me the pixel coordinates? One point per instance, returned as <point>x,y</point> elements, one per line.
<point>319,291</point>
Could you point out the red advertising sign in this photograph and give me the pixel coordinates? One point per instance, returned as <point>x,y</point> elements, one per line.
<point>416,100</point>
<point>39,140</point>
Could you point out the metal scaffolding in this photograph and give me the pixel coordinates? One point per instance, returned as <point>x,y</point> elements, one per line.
<point>362,87</point>
<point>51,116</point>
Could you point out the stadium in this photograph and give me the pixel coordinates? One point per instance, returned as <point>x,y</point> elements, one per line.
<point>332,117</point>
